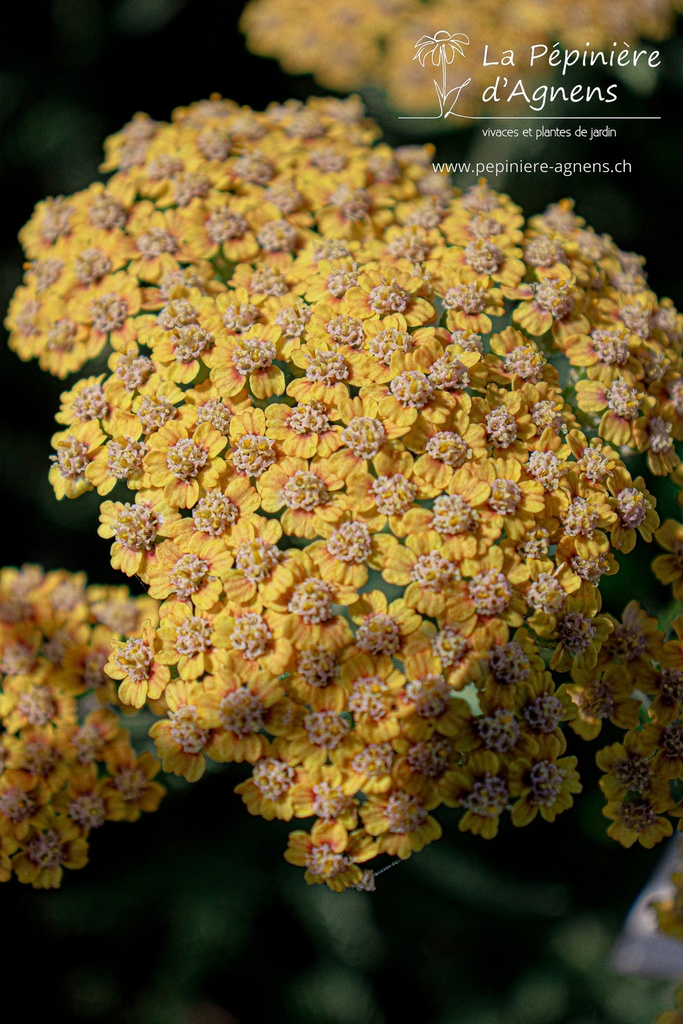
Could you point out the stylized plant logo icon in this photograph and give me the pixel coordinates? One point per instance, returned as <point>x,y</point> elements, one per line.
<point>441,49</point>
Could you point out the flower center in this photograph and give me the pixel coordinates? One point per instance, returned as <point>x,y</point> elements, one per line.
<point>632,507</point>
<point>449,374</point>
<point>623,400</point>
<point>216,413</point>
<point>545,780</point>
<point>155,242</point>
<point>405,813</point>
<point>611,347</point>
<point>326,368</point>
<point>546,468</point>
<point>241,712</point>
<point>489,796</point>
<point>470,298</point>
<point>88,810</point>
<point>364,436</point>
<point>452,514</point>
<point>412,389</point>
<point>555,297</point>
<point>576,632</point>
<point>45,850</point>
<point>304,490</point>
<point>268,281</point>
<point>345,330</point>
<point>253,454</point>
<point>638,815</point>
<point>108,312</point>
<point>214,513</point>
<point>498,731</point>
<point>189,342</point>
<point>368,697</point>
<point>501,427</point>
<point>546,594</point>
<point>312,600</point>
<point>325,728</point>
<point>223,224</point>
<point>393,494</point>
<point>634,773</point>
<point>253,354</point>
<point>240,318</point>
<point>379,634</point>
<point>251,635</point>
<point>431,757</point>
<point>273,778</point>
<point>90,403</point>
<point>187,575</point>
<point>277,236</point>
<point>186,731</point>
<point>257,559</point>
<point>434,572</point>
<point>317,666</point>
<point>324,862</point>
<point>449,448</point>
<point>185,459</point>
<point>374,759</point>
<point>430,695</point>
<point>61,336</point>
<point>525,362</point>
<point>136,526</point>
<point>135,658</point>
<point>388,297</point>
<point>311,418</point>
<point>490,591</point>
<point>37,705</point>
<point>71,458</point>
<point>544,713</point>
<point>153,412</point>
<point>351,543</point>
<point>329,802</point>
<point>125,459</point>
<point>382,345</point>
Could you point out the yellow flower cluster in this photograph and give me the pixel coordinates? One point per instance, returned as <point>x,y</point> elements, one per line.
<point>374,430</point>
<point>640,690</point>
<point>356,44</point>
<point>669,909</point>
<point>66,760</point>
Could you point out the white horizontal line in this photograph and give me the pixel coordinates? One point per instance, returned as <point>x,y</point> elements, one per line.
<point>541,117</point>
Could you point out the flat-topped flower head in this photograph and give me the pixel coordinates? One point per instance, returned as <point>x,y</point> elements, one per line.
<point>372,444</point>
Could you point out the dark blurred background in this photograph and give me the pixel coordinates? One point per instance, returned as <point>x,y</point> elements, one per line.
<point>191,916</point>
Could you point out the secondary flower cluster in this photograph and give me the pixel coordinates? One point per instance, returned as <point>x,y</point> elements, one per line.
<point>355,44</point>
<point>640,691</point>
<point>66,760</point>
<point>669,909</point>
<point>374,433</point>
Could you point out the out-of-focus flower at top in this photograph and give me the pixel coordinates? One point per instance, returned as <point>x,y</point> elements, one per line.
<point>353,45</point>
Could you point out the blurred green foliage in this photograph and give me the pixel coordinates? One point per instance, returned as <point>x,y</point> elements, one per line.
<point>191,916</point>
